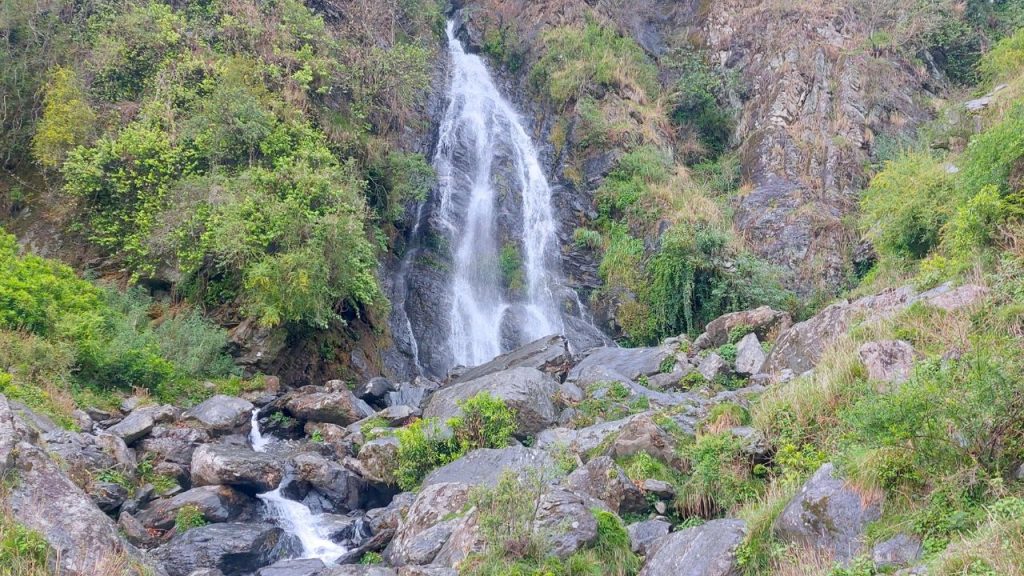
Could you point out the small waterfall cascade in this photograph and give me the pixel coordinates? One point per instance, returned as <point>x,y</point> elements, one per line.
<point>294,517</point>
<point>484,153</point>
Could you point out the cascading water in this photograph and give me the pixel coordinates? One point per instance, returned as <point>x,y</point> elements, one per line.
<point>479,134</point>
<point>294,517</point>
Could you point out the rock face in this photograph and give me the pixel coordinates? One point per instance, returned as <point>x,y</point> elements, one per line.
<point>800,347</point>
<point>749,355</point>
<point>528,391</point>
<point>827,515</point>
<point>339,407</point>
<point>45,500</point>
<point>418,538</point>
<point>643,534</point>
<point>217,503</point>
<point>550,355</point>
<point>484,467</point>
<point>888,360</point>
<point>214,464</point>
<point>631,363</point>
<point>706,550</point>
<point>220,414</point>
<point>234,549</point>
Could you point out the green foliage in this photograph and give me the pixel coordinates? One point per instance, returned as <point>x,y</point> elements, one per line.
<point>399,179</point>
<point>371,559</point>
<point>581,60</point>
<point>422,446</point>
<point>586,238</point>
<point>906,205</point>
<point>727,352</point>
<point>1005,59</point>
<point>485,422</point>
<point>130,46</point>
<point>367,428</point>
<point>67,119</point>
<point>720,477</point>
<point>696,103</point>
<point>736,333</point>
<point>510,263</point>
<point>189,517</point>
<point>23,552</point>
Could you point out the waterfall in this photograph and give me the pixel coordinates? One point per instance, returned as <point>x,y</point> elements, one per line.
<point>295,518</point>
<point>483,153</point>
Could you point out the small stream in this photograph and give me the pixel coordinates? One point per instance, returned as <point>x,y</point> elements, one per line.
<point>295,518</point>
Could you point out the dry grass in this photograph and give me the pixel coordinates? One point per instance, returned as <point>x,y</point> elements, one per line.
<point>997,547</point>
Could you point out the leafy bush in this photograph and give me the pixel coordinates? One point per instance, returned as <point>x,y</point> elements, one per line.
<point>422,446</point>
<point>906,205</point>
<point>720,477</point>
<point>510,263</point>
<point>485,422</point>
<point>67,119</point>
<point>23,552</point>
<point>696,103</point>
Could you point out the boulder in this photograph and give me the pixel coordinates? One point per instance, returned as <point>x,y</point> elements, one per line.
<point>399,414</point>
<point>889,361</point>
<point>659,488</point>
<point>565,521</point>
<point>427,571</point>
<point>339,407</point>
<point>549,355</point>
<point>418,538</point>
<point>705,550</point>
<point>485,466</point>
<point>357,570</point>
<point>134,531</point>
<point>217,503</point>
<point>413,393</point>
<point>108,496</point>
<point>134,427</point>
<point>234,549</point>
<point>603,480</point>
<point>642,434</point>
<point>827,515</point>
<point>220,415</point>
<point>379,459</point>
<point>750,356</point>
<point>528,391</point>
<point>237,466</point>
<point>173,444</point>
<point>375,391</point>
<point>643,534</point>
<point>294,567</point>
<point>326,486</point>
<point>629,362</point>
<point>712,366</point>
<point>764,322</point>
<point>899,551</point>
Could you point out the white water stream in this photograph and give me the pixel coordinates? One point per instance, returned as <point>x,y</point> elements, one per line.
<point>294,517</point>
<point>479,131</point>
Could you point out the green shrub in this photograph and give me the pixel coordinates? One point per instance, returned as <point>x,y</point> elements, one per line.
<point>23,552</point>
<point>510,263</point>
<point>399,179</point>
<point>719,479</point>
<point>485,422</point>
<point>1005,59</point>
<point>906,205</point>
<point>371,559</point>
<point>189,517</point>
<point>67,119</point>
<point>422,446</point>
<point>696,103</point>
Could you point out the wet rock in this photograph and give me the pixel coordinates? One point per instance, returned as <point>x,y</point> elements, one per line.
<point>234,549</point>
<point>643,534</point>
<point>705,550</point>
<point>237,466</point>
<point>827,515</point>
<point>765,322</point>
<point>220,415</point>
<point>356,570</point>
<point>605,481</point>
<point>326,486</point>
<point>750,356</point>
<point>888,360</point>
<point>217,503</point>
<point>485,466</point>
<point>294,567</point>
<point>549,355</point>
<point>712,366</point>
<point>899,551</point>
<point>339,407</point>
<point>375,391</point>
<point>526,390</point>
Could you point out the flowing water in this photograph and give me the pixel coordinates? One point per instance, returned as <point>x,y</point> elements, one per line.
<point>484,152</point>
<point>293,517</point>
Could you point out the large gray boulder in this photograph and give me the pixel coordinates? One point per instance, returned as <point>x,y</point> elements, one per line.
<point>134,427</point>
<point>293,567</point>
<point>379,459</point>
<point>485,466</point>
<point>428,524</point>
<point>603,480</point>
<point>827,515</point>
<point>750,356</point>
<point>643,534</point>
<point>565,521</point>
<point>338,406</point>
<point>217,503</point>
<point>889,361</point>
<point>357,570</point>
<point>528,391</point>
<point>549,355</point>
<point>237,466</point>
<point>234,549</point>
<point>899,551</point>
<point>220,414</point>
<point>326,486</point>
<point>631,363</point>
<point>764,322</point>
<point>705,550</point>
